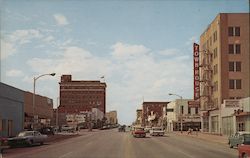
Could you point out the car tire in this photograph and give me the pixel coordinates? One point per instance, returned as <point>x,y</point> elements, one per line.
<point>244,156</point>
<point>31,142</point>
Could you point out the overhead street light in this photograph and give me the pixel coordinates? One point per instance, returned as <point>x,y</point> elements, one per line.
<point>179,110</point>
<point>34,93</point>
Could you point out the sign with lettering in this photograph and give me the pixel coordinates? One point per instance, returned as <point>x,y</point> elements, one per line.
<point>196,72</point>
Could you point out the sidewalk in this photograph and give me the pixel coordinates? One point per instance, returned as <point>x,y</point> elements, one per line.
<point>205,136</point>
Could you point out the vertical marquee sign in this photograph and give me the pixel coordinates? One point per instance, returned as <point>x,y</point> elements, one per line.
<point>196,72</point>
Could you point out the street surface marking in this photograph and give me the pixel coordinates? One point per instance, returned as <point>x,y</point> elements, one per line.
<point>66,155</point>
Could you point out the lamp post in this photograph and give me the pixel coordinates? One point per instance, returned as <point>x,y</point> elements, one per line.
<point>180,109</point>
<point>34,93</point>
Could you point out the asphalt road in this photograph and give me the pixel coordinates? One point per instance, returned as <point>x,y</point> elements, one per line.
<point>113,144</point>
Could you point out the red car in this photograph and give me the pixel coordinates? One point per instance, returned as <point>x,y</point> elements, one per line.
<point>244,148</point>
<point>139,132</point>
<point>244,151</point>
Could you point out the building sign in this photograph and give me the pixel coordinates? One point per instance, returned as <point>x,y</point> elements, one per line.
<point>232,103</point>
<point>196,72</point>
<point>193,104</point>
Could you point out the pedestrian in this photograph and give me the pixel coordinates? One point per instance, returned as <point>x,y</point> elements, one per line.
<point>196,129</point>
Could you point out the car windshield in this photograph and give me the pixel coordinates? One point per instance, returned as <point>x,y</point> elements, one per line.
<point>22,134</point>
<point>139,129</point>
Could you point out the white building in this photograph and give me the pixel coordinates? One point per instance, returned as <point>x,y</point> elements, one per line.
<point>178,110</point>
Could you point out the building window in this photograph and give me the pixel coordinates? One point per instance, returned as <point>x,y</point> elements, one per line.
<point>233,31</point>
<point>237,31</point>
<point>235,66</point>
<point>215,87</point>
<point>215,69</point>
<point>196,110</point>
<point>237,49</point>
<point>210,41</point>
<point>234,49</point>
<point>189,110</point>
<point>215,36</point>
<point>182,109</point>
<point>215,52</point>
<point>230,31</point>
<point>235,84</point>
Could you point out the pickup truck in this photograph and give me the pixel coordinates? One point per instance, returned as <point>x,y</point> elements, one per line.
<point>157,131</point>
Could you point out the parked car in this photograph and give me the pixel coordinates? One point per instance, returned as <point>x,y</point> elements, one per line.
<point>157,131</point>
<point>67,128</point>
<point>122,128</point>
<point>47,130</point>
<point>237,139</point>
<point>3,144</point>
<point>244,148</point>
<point>27,138</point>
<point>139,132</point>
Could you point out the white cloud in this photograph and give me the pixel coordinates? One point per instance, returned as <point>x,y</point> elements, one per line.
<point>7,49</point>
<point>14,73</point>
<point>24,36</point>
<point>49,39</point>
<point>123,50</point>
<point>169,52</point>
<point>61,20</point>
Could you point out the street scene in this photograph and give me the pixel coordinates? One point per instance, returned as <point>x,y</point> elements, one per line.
<point>113,144</point>
<point>124,79</point>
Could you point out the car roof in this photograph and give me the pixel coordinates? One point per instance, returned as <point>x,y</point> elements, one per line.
<point>243,132</point>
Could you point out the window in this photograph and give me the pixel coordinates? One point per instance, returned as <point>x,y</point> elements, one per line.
<point>235,84</point>
<point>210,41</point>
<point>233,31</point>
<point>235,66</point>
<point>189,110</point>
<point>230,31</point>
<point>237,51</point>
<point>215,52</point>
<point>215,36</point>
<point>234,48</point>
<point>215,87</point>
<point>238,84</point>
<point>237,31</point>
<point>216,69</point>
<point>231,66</point>
<point>182,109</point>
<point>231,49</point>
<point>196,110</point>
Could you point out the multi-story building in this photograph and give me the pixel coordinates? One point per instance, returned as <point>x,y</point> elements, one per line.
<point>180,117</point>
<point>152,113</point>
<point>138,120</point>
<point>111,117</point>
<point>224,66</point>
<point>78,96</point>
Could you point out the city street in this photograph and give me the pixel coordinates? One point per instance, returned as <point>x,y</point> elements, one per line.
<point>113,144</point>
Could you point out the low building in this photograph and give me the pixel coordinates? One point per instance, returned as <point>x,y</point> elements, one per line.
<point>11,110</point>
<point>180,117</point>
<point>138,120</point>
<point>111,117</point>
<point>42,110</point>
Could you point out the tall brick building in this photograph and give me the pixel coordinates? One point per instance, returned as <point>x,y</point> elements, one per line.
<point>80,96</point>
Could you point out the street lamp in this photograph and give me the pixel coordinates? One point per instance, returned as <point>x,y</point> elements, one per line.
<point>180,109</point>
<point>34,93</point>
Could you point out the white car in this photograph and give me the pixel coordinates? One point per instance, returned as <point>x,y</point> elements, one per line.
<point>27,138</point>
<point>157,131</point>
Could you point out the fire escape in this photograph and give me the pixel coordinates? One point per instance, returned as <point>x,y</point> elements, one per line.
<point>206,81</point>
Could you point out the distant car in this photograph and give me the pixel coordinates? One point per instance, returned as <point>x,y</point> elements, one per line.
<point>139,132</point>
<point>157,131</point>
<point>244,148</point>
<point>67,128</point>
<point>47,131</point>
<point>237,139</point>
<point>27,138</point>
<point>122,128</point>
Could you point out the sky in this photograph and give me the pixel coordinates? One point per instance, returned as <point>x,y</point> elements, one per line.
<point>142,47</point>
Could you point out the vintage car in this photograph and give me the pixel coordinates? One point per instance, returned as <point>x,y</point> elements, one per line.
<point>237,139</point>
<point>138,132</point>
<point>157,131</point>
<point>244,148</point>
<point>3,144</point>
<point>27,138</point>
<point>122,128</point>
